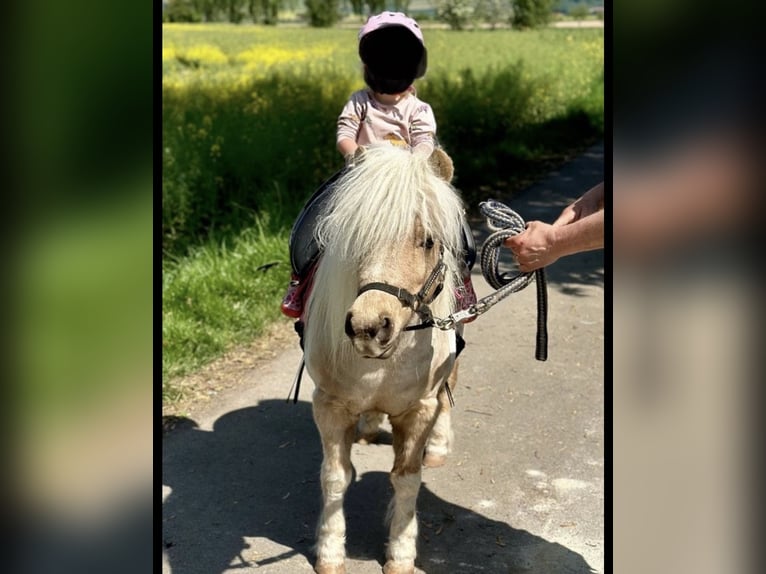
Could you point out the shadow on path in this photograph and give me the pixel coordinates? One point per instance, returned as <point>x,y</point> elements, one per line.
<point>255,475</point>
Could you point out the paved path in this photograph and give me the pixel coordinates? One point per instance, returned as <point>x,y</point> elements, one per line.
<point>522,492</point>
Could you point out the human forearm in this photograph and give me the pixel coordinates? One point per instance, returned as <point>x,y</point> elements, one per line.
<point>541,244</point>
<point>347,147</point>
<point>582,235</point>
<point>590,202</point>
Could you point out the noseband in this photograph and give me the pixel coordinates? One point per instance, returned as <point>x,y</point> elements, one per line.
<point>418,302</point>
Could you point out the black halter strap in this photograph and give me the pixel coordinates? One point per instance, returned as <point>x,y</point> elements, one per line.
<point>407,298</point>
<point>418,302</point>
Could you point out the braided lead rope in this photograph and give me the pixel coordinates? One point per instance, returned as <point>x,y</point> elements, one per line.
<point>506,223</point>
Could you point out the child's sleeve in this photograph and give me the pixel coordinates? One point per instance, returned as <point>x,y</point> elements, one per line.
<point>423,128</point>
<point>349,121</point>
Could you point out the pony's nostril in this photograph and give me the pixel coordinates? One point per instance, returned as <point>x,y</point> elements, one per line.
<point>371,332</point>
<point>386,327</point>
<point>349,328</point>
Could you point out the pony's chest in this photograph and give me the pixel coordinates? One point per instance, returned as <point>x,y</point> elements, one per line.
<point>391,385</point>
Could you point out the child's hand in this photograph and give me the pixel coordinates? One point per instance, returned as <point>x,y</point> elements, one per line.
<point>347,147</point>
<point>353,158</point>
<point>424,149</point>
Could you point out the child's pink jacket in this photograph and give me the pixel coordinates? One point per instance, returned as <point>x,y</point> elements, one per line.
<point>407,123</point>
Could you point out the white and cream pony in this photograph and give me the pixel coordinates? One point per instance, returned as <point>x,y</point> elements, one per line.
<point>391,240</point>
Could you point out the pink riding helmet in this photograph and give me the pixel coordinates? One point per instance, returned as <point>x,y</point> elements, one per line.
<point>392,48</point>
<point>391,19</point>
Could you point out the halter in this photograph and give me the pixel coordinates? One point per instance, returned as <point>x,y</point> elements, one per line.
<point>420,301</point>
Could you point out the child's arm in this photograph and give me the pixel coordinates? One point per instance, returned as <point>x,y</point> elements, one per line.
<point>348,128</point>
<point>423,130</point>
<point>347,147</point>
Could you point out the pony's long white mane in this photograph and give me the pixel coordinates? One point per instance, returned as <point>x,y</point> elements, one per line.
<point>374,204</point>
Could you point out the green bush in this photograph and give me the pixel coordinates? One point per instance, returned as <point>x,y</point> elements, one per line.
<point>492,126</point>
<point>227,155</point>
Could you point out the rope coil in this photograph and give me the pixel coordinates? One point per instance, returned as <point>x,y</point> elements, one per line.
<point>506,223</point>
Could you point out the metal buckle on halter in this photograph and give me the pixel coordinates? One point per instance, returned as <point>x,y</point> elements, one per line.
<point>434,283</point>
<point>455,318</point>
<point>444,324</point>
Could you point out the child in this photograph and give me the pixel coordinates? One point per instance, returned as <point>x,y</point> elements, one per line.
<point>393,53</point>
<point>392,50</point>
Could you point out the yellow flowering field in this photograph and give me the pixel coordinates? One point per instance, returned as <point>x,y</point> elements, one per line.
<point>226,54</point>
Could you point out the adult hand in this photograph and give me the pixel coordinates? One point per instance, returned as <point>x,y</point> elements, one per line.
<point>534,247</point>
<point>579,227</point>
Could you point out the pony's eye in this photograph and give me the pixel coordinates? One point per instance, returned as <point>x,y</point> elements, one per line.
<point>428,243</point>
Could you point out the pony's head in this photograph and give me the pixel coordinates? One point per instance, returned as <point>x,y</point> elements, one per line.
<point>392,223</point>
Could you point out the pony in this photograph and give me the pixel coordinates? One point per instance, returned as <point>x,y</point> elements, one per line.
<point>391,242</point>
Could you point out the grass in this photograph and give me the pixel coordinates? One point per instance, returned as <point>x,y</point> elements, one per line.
<point>220,295</point>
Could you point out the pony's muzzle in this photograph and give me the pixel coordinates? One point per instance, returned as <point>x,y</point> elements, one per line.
<point>372,335</point>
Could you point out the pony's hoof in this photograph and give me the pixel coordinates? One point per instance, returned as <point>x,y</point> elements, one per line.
<point>392,567</point>
<point>434,460</point>
<point>327,568</point>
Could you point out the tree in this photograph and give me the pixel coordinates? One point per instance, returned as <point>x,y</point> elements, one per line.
<point>207,8</point>
<point>457,13</point>
<point>376,6</point>
<point>181,11</point>
<point>401,5</point>
<point>579,11</point>
<point>531,13</point>
<point>323,13</point>
<point>234,10</point>
<point>264,11</point>
<point>493,11</point>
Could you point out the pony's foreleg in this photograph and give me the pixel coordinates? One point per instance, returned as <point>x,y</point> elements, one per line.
<point>410,431</point>
<point>369,427</point>
<point>441,438</point>
<point>337,431</point>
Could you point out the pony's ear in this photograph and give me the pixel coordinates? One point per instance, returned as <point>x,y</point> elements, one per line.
<point>442,163</point>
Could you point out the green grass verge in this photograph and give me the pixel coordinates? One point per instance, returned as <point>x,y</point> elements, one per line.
<point>222,294</point>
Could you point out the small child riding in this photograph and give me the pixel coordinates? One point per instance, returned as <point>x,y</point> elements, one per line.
<point>393,52</point>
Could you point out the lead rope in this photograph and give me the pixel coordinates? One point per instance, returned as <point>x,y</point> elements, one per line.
<point>506,223</point>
